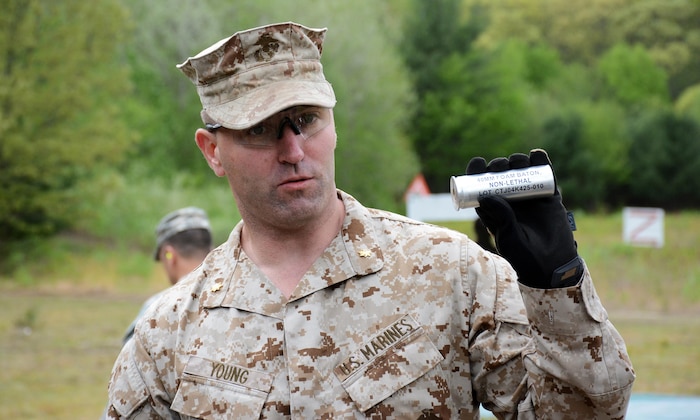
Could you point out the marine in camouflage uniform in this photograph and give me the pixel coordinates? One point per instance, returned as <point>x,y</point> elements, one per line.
<point>394,318</point>
<point>184,237</point>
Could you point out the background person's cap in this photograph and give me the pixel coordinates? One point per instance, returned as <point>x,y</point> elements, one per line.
<point>179,221</point>
<point>253,74</point>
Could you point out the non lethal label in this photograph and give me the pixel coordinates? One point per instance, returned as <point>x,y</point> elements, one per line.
<point>515,184</point>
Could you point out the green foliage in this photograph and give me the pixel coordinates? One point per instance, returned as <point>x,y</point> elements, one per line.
<point>631,77</point>
<point>577,170</point>
<point>165,107</point>
<point>471,102</point>
<point>132,205</point>
<point>688,103</point>
<point>434,31</point>
<point>588,147</point>
<point>578,30</point>
<point>669,31</point>
<point>542,64</point>
<point>119,213</point>
<point>480,110</point>
<point>606,136</point>
<point>662,159</point>
<point>59,116</point>
<point>28,259</point>
<point>582,31</point>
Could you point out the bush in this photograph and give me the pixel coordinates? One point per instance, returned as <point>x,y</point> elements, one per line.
<point>664,168</point>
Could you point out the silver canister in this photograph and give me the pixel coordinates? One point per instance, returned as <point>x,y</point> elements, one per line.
<point>515,184</point>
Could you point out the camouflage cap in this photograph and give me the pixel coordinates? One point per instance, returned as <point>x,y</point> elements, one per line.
<point>179,221</point>
<point>253,74</point>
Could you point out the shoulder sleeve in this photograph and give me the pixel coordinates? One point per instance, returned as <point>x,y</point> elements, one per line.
<point>132,383</point>
<point>127,390</point>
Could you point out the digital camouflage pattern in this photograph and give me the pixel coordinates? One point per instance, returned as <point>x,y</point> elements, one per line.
<point>397,319</point>
<point>253,74</point>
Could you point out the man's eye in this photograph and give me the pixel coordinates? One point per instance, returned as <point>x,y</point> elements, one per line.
<point>258,130</point>
<point>306,118</point>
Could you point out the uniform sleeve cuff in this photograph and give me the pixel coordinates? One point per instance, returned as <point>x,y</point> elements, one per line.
<point>569,310</point>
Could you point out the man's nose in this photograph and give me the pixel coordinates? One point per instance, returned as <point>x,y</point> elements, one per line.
<point>283,123</point>
<point>289,144</point>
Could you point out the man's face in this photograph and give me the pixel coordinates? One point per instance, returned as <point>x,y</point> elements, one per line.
<point>281,171</point>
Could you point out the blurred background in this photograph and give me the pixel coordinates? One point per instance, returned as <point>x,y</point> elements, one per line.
<point>96,145</point>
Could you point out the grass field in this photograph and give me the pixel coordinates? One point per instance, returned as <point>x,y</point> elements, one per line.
<point>63,318</point>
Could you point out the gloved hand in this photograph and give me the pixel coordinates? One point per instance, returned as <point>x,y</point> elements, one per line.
<point>534,235</point>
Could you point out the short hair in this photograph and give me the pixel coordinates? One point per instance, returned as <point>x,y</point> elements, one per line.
<point>191,243</point>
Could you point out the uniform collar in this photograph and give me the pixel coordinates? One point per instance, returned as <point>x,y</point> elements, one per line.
<point>232,280</point>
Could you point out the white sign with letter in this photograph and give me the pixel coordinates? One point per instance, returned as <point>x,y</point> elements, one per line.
<point>643,226</point>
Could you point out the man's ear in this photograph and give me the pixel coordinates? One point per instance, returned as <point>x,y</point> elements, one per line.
<point>207,143</point>
<point>169,254</point>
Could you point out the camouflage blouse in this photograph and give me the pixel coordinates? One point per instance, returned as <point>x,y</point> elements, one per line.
<point>397,319</point>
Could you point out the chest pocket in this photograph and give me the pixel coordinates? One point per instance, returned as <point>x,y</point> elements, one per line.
<point>213,390</point>
<point>392,359</point>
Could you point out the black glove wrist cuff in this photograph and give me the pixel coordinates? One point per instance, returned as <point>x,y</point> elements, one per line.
<point>568,275</point>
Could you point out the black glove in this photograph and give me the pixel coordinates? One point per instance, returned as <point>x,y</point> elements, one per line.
<point>534,235</point>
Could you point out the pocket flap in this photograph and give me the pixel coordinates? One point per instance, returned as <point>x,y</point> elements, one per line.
<point>214,390</point>
<point>392,359</point>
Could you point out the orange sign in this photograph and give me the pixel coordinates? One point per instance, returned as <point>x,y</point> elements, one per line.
<point>417,187</point>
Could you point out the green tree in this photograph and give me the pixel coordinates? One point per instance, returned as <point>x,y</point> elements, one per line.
<point>470,102</point>
<point>583,31</point>
<point>580,31</point>
<point>623,60</point>
<point>434,31</point>
<point>630,76</point>
<point>165,107</point>
<point>588,145</point>
<point>663,168</point>
<point>62,80</point>
<point>669,31</point>
<point>577,169</point>
<point>606,139</point>
<point>688,103</point>
<point>479,109</point>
